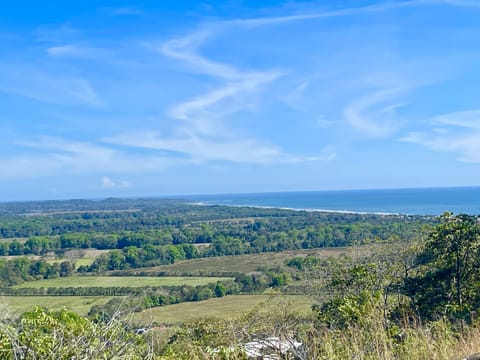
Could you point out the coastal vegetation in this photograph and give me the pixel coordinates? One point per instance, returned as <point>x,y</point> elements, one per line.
<point>203,282</point>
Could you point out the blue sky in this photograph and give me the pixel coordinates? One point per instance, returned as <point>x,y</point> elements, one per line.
<point>148,98</point>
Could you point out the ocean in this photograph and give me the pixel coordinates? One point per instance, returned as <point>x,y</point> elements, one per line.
<point>418,201</point>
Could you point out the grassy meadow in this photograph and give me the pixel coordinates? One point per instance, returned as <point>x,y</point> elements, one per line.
<point>12,306</point>
<point>223,307</point>
<point>118,281</point>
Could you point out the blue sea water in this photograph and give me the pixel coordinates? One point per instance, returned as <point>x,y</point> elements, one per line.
<point>419,201</point>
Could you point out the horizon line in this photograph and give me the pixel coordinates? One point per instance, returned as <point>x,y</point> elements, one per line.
<point>179,195</point>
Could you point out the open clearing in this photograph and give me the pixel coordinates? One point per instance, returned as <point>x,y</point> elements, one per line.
<point>245,263</point>
<point>119,281</point>
<point>15,305</point>
<point>18,239</point>
<point>12,257</point>
<point>83,262</point>
<point>226,306</point>
<point>78,262</point>
<point>79,256</point>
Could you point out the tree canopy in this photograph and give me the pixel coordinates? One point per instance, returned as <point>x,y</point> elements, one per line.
<point>448,275</point>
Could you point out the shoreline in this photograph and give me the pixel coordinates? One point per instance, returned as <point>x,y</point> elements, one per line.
<point>204,203</point>
<point>432,202</point>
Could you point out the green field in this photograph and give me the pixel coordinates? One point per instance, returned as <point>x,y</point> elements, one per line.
<point>83,262</point>
<point>119,281</point>
<point>11,306</point>
<point>226,306</point>
<point>245,263</point>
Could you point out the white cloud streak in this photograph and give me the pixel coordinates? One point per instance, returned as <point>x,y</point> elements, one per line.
<point>73,51</point>
<point>45,86</point>
<point>460,134</point>
<point>56,156</point>
<point>375,114</point>
<point>265,21</point>
<point>108,183</point>
<point>458,3</point>
<point>185,48</point>
<point>236,151</point>
<point>465,119</point>
<point>379,7</point>
<point>124,10</point>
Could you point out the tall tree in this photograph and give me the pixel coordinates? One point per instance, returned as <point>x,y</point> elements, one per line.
<point>448,277</point>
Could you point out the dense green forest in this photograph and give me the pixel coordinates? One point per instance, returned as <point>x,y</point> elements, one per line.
<point>144,233</point>
<point>400,287</point>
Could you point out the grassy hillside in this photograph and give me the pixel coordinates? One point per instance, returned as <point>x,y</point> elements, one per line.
<point>248,262</point>
<point>224,307</point>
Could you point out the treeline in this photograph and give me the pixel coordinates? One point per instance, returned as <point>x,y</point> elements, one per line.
<point>233,238</point>
<point>252,238</point>
<point>83,205</point>
<point>170,213</point>
<point>176,294</point>
<point>133,257</point>
<point>182,216</point>
<point>41,245</point>
<point>22,269</point>
<point>76,291</point>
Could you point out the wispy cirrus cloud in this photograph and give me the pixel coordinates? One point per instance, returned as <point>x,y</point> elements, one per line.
<point>185,49</point>
<point>372,109</point>
<point>469,119</point>
<point>201,150</point>
<point>55,156</point>
<point>204,133</point>
<point>461,3</point>
<point>348,11</point>
<point>274,20</point>
<point>206,113</point>
<point>46,86</point>
<point>73,51</point>
<point>375,114</point>
<point>457,132</point>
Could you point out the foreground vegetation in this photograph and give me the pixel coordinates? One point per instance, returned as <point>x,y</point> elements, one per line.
<point>44,334</point>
